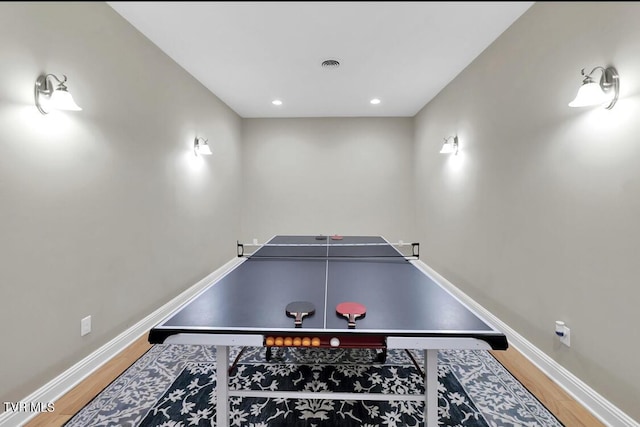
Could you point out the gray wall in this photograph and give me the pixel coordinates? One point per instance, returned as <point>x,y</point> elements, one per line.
<point>104,212</point>
<point>537,218</point>
<point>341,175</point>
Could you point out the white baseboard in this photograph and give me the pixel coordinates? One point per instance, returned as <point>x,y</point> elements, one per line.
<point>600,407</point>
<point>50,392</point>
<point>64,382</point>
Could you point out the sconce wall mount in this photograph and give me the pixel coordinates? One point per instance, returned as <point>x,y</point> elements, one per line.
<point>450,145</point>
<point>49,98</point>
<point>200,147</point>
<point>605,92</point>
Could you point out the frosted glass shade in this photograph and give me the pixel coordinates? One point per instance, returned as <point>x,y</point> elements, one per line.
<point>62,100</point>
<point>589,94</point>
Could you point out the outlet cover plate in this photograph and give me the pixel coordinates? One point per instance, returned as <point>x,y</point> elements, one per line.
<point>85,326</point>
<point>566,339</point>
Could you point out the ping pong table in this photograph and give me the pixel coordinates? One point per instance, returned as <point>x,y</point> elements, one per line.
<point>405,309</point>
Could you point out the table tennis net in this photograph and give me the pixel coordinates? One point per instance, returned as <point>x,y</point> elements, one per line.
<point>400,251</point>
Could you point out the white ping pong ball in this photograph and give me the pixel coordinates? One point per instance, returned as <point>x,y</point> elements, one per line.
<point>335,342</point>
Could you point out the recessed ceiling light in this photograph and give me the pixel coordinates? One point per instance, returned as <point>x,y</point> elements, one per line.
<point>276,102</point>
<point>375,101</point>
<point>330,63</point>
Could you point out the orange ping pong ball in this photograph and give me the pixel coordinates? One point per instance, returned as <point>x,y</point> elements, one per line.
<point>315,342</point>
<point>306,341</point>
<point>288,341</point>
<point>279,341</point>
<point>269,341</point>
<point>297,341</point>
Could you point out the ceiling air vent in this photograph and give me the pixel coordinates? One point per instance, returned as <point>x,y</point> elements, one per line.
<point>330,63</point>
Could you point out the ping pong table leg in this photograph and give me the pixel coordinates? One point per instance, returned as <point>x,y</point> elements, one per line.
<point>222,385</point>
<point>431,388</point>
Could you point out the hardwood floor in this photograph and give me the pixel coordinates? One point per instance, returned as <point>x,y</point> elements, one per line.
<point>566,409</point>
<point>69,404</point>
<point>557,401</point>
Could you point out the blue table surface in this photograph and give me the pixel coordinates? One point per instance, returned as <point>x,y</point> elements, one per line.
<point>399,297</point>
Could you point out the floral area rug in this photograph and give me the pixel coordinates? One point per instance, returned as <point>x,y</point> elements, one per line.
<point>174,386</point>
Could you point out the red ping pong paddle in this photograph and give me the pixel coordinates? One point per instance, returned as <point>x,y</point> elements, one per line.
<point>299,309</point>
<point>336,237</point>
<point>352,311</point>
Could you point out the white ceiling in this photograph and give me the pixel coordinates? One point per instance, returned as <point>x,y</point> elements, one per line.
<point>250,53</point>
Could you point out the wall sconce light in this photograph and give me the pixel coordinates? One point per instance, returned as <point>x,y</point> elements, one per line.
<point>50,98</point>
<point>604,92</point>
<point>200,147</point>
<point>450,145</point>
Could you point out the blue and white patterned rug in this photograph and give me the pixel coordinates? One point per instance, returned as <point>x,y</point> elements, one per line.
<point>173,386</point>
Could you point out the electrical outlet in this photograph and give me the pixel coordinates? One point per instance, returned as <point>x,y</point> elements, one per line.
<point>85,326</point>
<point>566,338</point>
<point>563,332</point>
